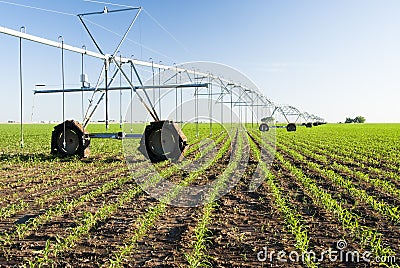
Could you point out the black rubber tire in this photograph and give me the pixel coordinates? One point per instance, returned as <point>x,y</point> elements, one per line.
<point>291,127</point>
<point>264,127</point>
<point>77,141</point>
<point>163,140</point>
<point>71,139</point>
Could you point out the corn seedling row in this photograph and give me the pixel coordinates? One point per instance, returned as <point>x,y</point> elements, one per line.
<point>147,220</point>
<point>89,220</point>
<point>366,235</point>
<point>381,207</point>
<point>292,219</point>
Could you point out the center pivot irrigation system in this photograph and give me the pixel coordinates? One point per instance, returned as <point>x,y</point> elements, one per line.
<point>162,139</point>
<point>290,112</point>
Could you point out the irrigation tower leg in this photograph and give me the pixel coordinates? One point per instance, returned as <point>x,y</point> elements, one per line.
<point>222,109</point>
<point>21,90</point>
<point>106,90</point>
<point>231,107</point>
<point>210,105</point>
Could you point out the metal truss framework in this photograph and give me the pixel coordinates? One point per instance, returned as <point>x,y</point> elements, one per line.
<point>218,89</point>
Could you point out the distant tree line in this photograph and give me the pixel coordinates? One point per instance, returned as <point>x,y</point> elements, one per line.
<point>358,119</point>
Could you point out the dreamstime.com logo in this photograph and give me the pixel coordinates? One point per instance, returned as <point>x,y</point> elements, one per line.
<point>340,254</point>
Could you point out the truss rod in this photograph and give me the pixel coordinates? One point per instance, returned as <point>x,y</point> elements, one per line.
<point>91,89</point>
<point>50,43</point>
<point>110,58</point>
<point>151,110</point>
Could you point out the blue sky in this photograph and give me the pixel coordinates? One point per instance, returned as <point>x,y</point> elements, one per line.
<point>331,58</point>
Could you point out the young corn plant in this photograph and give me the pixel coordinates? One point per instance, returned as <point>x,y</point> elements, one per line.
<point>381,207</point>
<point>198,256</point>
<point>147,220</point>
<point>292,219</point>
<point>90,220</point>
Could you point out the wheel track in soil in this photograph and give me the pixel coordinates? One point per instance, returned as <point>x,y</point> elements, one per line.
<point>245,222</point>
<point>227,233</point>
<point>162,248</point>
<point>182,213</point>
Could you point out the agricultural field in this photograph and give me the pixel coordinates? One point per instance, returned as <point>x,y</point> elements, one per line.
<point>329,196</point>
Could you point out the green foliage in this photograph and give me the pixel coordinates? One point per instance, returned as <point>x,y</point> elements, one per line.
<point>358,119</point>
<point>147,220</point>
<point>348,157</point>
<point>292,219</point>
<point>326,151</point>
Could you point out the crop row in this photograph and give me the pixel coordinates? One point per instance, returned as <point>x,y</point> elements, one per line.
<point>292,219</point>
<point>367,236</point>
<point>327,159</point>
<point>89,220</point>
<point>381,207</point>
<point>147,220</point>
<point>198,256</point>
<point>59,209</point>
<point>373,141</point>
<point>362,152</point>
<point>44,199</point>
<point>331,151</point>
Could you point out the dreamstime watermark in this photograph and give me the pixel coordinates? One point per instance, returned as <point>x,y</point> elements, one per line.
<point>340,254</point>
